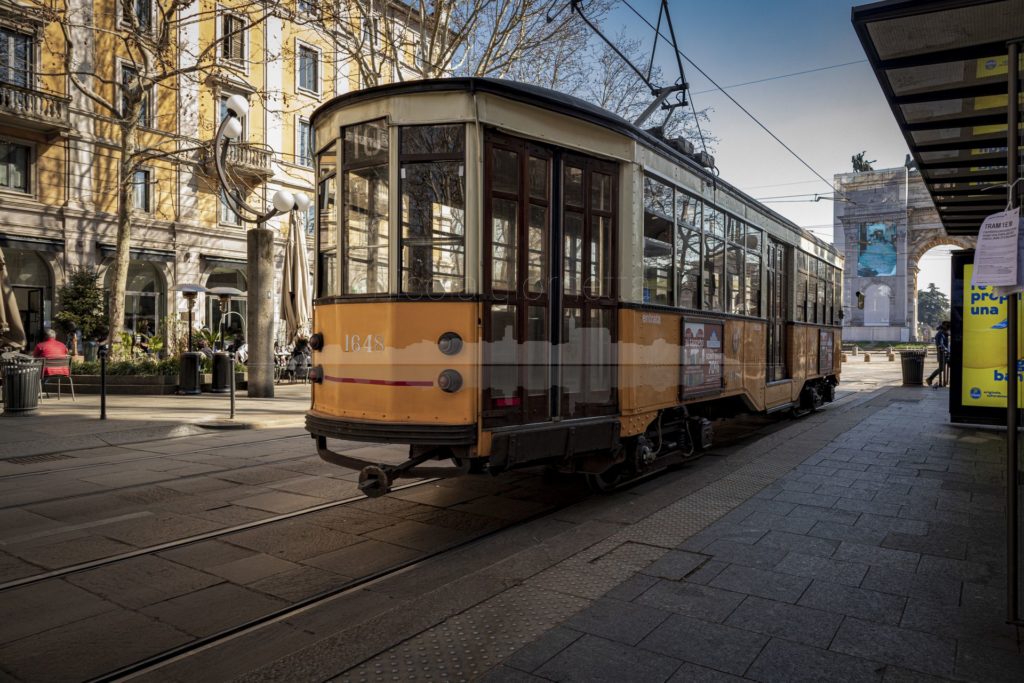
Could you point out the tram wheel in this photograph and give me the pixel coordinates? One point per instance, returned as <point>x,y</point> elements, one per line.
<point>607,481</point>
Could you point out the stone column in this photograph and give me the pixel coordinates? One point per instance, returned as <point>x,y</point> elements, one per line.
<point>260,314</point>
<point>912,272</point>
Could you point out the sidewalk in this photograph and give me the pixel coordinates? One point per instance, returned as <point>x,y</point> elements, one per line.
<point>63,424</point>
<point>865,542</point>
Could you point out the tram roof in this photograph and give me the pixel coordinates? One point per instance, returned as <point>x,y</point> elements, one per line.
<point>565,104</point>
<point>942,65</point>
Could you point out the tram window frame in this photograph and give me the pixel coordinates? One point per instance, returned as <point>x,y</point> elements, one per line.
<point>327,265</point>
<point>753,240</point>
<point>659,255</point>
<point>777,273</point>
<point>713,259</point>
<point>735,267</point>
<point>689,260</point>
<point>801,288</point>
<point>439,165</point>
<point>374,169</point>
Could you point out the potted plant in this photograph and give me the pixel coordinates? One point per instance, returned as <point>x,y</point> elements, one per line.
<point>81,303</point>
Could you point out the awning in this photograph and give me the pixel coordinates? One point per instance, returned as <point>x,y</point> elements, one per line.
<point>109,250</point>
<point>943,68</point>
<point>31,243</point>
<point>224,262</point>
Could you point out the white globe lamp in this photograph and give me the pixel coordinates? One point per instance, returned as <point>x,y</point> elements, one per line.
<point>284,201</point>
<point>237,105</point>
<point>232,128</point>
<point>302,201</point>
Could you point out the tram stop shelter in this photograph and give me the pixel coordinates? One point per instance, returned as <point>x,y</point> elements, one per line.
<point>951,70</point>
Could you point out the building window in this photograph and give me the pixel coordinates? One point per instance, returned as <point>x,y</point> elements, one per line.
<point>309,220</point>
<point>304,144</point>
<point>306,8</point>
<point>226,213</point>
<point>129,81</point>
<point>140,190</point>
<point>233,38</point>
<point>14,166</point>
<point>308,66</point>
<point>15,58</point>
<point>137,13</point>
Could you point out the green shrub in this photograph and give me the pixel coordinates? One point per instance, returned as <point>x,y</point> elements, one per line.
<point>147,367</point>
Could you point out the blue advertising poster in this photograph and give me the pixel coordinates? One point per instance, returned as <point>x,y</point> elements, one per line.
<point>877,255</point>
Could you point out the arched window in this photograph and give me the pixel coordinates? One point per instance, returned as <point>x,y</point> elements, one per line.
<point>30,278</point>
<point>876,305</point>
<point>144,294</point>
<point>234,318</point>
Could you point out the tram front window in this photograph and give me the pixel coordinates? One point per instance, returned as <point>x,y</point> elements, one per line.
<point>365,187</point>
<point>432,180</point>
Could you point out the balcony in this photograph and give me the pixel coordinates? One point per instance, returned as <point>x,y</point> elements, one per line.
<point>33,110</point>
<point>246,160</point>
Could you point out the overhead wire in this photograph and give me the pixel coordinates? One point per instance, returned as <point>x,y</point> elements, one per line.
<point>735,101</point>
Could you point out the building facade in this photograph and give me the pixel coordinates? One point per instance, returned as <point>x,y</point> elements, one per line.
<point>884,221</point>
<point>63,78</point>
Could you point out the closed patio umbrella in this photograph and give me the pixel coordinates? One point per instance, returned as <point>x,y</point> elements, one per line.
<point>296,298</point>
<point>12,332</point>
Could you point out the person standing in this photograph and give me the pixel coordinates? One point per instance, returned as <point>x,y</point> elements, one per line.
<point>941,350</point>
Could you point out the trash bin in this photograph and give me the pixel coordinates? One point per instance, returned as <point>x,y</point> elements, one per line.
<point>188,374</point>
<point>21,375</point>
<point>90,349</point>
<point>913,367</point>
<point>221,373</point>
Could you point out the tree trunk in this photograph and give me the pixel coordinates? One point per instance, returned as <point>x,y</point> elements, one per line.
<point>122,256</point>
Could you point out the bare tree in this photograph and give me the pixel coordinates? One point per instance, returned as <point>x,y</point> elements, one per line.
<point>613,85</point>
<point>147,38</point>
<point>536,41</point>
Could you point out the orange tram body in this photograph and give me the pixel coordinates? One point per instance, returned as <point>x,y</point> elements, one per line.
<point>508,277</point>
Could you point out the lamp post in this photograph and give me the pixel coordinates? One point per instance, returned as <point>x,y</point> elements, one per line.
<point>188,374</point>
<point>260,250</point>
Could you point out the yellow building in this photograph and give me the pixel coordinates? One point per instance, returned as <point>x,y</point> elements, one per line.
<point>60,141</point>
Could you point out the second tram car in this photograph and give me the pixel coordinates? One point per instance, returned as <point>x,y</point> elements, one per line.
<point>507,276</point>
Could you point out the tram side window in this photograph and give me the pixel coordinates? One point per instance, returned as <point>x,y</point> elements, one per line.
<point>658,256</point>
<point>714,259</point>
<point>801,288</point>
<point>688,250</point>
<point>734,266</point>
<point>752,241</point>
<point>365,208</point>
<point>432,182</point>
<point>326,218</point>
<point>837,296</point>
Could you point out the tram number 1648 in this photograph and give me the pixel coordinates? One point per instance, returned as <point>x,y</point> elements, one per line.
<point>368,343</point>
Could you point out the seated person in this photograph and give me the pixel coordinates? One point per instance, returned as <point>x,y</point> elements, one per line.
<point>51,348</point>
<point>204,348</point>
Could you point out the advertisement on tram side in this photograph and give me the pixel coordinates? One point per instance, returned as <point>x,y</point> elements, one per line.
<point>978,349</point>
<point>702,357</point>
<point>826,351</point>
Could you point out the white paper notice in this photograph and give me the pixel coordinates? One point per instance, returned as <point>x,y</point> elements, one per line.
<point>1019,287</point>
<point>995,261</point>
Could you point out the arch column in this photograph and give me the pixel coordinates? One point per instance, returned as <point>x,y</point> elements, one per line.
<point>913,270</point>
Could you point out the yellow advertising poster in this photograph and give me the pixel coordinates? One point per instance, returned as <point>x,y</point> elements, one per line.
<point>984,352</point>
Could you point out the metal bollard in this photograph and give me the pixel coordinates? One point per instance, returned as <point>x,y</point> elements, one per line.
<point>103,380</point>
<point>231,392</point>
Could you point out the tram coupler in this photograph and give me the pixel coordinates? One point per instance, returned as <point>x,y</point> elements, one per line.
<point>376,479</point>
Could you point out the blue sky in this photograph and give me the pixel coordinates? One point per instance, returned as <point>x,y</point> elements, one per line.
<point>825,117</point>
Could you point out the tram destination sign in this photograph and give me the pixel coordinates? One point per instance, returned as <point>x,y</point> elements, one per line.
<point>702,357</point>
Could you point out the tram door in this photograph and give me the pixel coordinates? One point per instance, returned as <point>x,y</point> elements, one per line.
<point>548,330</point>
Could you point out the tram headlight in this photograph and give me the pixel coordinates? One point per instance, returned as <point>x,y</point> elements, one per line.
<point>316,341</point>
<point>316,374</point>
<point>449,381</point>
<point>450,343</point>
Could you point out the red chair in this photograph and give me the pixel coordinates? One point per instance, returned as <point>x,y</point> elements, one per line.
<point>57,369</point>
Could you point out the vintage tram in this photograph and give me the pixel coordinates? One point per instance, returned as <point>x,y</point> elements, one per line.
<point>507,276</point>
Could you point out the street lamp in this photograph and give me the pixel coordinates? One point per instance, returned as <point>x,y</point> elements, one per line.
<point>190,292</point>
<point>260,243</point>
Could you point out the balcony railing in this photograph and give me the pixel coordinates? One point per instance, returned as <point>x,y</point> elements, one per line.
<point>34,109</point>
<point>244,158</point>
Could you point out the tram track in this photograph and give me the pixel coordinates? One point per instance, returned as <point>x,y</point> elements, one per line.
<point>188,540</point>
<point>739,434</point>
